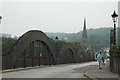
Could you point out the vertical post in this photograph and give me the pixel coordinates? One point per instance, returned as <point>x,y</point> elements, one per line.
<point>32,53</point>
<point>114,33</point>
<point>66,57</point>
<point>56,48</point>
<point>111,61</point>
<point>45,53</point>
<point>49,57</point>
<point>112,42</point>
<point>24,58</point>
<point>42,55</point>
<point>39,52</point>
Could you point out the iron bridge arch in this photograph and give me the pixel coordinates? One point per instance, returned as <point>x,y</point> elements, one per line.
<point>67,54</point>
<point>31,49</point>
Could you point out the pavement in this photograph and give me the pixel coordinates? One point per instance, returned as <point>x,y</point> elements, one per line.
<point>55,71</point>
<point>35,67</point>
<point>20,69</point>
<point>81,70</point>
<point>102,74</point>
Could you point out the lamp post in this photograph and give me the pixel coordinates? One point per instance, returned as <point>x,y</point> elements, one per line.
<point>114,17</point>
<point>56,38</point>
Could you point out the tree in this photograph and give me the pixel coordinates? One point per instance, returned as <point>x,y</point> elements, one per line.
<point>7,43</point>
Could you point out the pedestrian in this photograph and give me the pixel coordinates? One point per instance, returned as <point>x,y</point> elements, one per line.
<point>100,59</point>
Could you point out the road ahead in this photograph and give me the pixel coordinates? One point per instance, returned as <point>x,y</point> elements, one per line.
<point>57,71</point>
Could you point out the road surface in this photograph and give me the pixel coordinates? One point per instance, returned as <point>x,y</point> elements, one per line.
<point>57,71</point>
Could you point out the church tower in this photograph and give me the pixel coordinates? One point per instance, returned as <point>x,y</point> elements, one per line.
<point>84,36</point>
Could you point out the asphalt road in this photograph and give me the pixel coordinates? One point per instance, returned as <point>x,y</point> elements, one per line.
<point>57,71</point>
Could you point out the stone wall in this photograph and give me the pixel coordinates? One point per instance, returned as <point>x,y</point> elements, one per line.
<point>115,61</point>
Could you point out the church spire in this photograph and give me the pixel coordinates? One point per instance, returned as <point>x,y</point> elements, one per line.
<point>84,35</point>
<point>84,24</point>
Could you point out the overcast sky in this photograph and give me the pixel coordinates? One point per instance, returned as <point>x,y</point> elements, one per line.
<point>19,17</point>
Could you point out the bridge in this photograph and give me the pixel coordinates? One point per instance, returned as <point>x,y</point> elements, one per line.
<point>35,49</point>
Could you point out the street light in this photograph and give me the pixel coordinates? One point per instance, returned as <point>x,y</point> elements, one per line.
<point>114,17</point>
<point>56,38</point>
